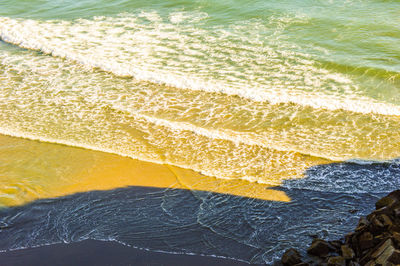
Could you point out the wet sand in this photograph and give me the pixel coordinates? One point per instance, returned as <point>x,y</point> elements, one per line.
<point>36,170</point>
<point>92,252</point>
<point>58,193</point>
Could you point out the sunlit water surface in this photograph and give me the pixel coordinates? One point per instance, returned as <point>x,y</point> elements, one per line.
<point>284,105</point>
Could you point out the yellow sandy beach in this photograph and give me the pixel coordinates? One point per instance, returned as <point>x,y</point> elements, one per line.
<point>34,170</point>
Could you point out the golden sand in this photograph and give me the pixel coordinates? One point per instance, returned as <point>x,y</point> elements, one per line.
<point>32,170</point>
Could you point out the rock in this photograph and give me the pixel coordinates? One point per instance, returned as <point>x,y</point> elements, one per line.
<point>319,248</point>
<point>361,228</point>
<point>385,220</point>
<point>380,222</point>
<point>395,194</point>
<point>347,252</point>
<point>389,255</point>
<point>396,238</point>
<point>395,228</point>
<point>365,241</point>
<point>336,261</point>
<point>336,244</point>
<point>291,257</point>
<point>383,210</point>
<point>396,211</point>
<point>387,244</point>
<point>366,258</point>
<point>348,238</point>
<point>395,257</point>
<point>362,224</point>
<point>377,225</point>
<point>354,244</point>
<point>379,239</point>
<point>375,241</point>
<point>386,253</point>
<point>363,221</point>
<point>389,200</point>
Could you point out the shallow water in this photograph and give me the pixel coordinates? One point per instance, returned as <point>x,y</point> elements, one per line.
<point>301,95</point>
<point>289,83</point>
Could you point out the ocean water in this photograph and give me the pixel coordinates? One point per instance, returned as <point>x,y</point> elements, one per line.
<point>248,95</point>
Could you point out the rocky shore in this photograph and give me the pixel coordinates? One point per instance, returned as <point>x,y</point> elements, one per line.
<point>375,241</point>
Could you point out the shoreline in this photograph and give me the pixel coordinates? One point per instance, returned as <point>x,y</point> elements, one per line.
<point>147,214</point>
<point>374,241</point>
<point>95,252</point>
<point>81,170</point>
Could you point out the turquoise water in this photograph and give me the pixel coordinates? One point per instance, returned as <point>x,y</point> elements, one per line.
<point>354,40</point>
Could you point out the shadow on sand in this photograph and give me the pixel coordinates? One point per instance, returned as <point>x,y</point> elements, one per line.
<point>325,203</point>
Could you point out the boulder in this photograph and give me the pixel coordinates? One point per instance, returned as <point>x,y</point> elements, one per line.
<point>390,255</point>
<point>363,224</point>
<point>383,210</point>
<point>389,200</point>
<point>363,221</point>
<point>376,225</point>
<point>375,241</point>
<point>385,201</point>
<point>395,194</point>
<point>336,245</point>
<point>395,228</point>
<point>379,239</point>
<point>386,254</point>
<point>291,257</point>
<point>395,257</point>
<point>385,220</point>
<point>347,252</point>
<point>396,211</point>
<point>396,238</point>
<point>365,241</point>
<point>348,238</point>
<point>378,252</point>
<point>319,248</point>
<point>336,261</point>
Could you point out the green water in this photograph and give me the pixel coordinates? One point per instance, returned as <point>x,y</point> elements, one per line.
<point>249,110</point>
<point>255,90</point>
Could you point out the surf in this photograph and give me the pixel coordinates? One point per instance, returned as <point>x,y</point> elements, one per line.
<point>256,69</point>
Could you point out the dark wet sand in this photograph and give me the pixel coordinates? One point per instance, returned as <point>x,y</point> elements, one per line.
<point>92,252</point>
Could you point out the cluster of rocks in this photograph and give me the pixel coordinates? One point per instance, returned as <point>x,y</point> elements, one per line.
<point>375,241</point>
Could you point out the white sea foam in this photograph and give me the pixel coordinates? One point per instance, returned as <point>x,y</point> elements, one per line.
<point>189,57</point>
<point>367,162</point>
<point>58,101</point>
<point>261,136</point>
<point>219,173</point>
<point>228,135</point>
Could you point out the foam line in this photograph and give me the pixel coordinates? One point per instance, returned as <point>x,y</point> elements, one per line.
<point>49,40</point>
